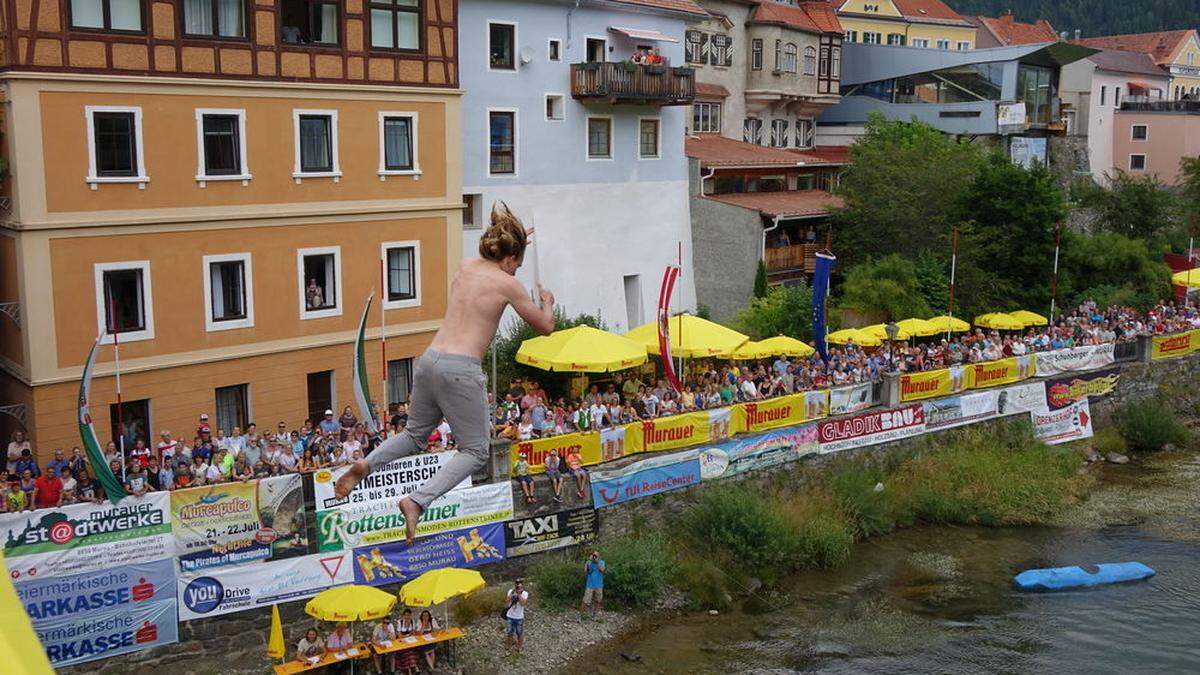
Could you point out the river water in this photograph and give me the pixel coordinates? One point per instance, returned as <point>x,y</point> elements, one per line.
<point>940,599</point>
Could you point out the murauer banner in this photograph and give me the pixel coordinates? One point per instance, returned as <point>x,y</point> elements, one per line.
<point>389,482</point>
<point>218,525</point>
<point>1063,391</point>
<point>377,521</point>
<point>1076,358</point>
<point>397,562</point>
<point>1001,371</point>
<point>933,383</point>
<point>667,433</point>
<point>87,537</point>
<point>225,590</point>
<point>549,532</point>
<point>587,444</point>
<point>83,617</point>
<point>1071,423</point>
<point>772,413</point>
<point>1168,346</point>
<point>870,428</point>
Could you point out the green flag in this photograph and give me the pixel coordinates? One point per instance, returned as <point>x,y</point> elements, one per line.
<point>362,390</point>
<point>112,486</point>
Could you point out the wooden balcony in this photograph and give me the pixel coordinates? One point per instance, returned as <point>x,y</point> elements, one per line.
<point>800,258</point>
<point>632,84</point>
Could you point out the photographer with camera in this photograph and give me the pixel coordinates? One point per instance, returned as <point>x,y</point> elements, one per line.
<point>593,592</point>
<point>514,615</point>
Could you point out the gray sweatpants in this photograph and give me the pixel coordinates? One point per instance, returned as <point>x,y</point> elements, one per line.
<point>444,385</point>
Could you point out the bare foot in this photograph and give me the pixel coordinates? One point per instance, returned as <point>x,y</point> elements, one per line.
<point>346,483</point>
<point>412,514</point>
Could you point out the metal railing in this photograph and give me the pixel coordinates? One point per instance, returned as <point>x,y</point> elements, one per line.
<point>1161,106</point>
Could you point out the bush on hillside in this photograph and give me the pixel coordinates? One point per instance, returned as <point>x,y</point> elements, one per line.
<point>1148,425</point>
<point>853,484</point>
<point>737,521</point>
<point>638,570</point>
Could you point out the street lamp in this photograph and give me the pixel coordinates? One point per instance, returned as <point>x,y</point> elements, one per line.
<point>892,331</point>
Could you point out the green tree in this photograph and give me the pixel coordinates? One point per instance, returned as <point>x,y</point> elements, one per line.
<point>903,184</point>
<point>1009,240</point>
<point>760,280</point>
<point>508,340</point>
<point>784,310</point>
<point>1111,269</point>
<point>1140,207</point>
<point>1189,186</point>
<point>933,278</point>
<point>889,285</point>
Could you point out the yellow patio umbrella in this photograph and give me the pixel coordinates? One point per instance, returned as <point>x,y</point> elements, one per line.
<point>437,586</point>
<point>998,321</point>
<point>879,330</point>
<point>581,349</point>
<point>858,337</point>
<point>749,351</point>
<point>1029,318</point>
<point>782,345</point>
<point>691,337</point>
<point>1189,278</point>
<point>949,323</point>
<point>918,327</point>
<point>23,654</point>
<point>352,602</point>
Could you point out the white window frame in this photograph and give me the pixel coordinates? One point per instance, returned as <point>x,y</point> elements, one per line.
<point>383,252</point>
<point>718,106</point>
<point>487,141</point>
<point>516,57</point>
<point>92,179</point>
<point>812,133</point>
<point>562,98</point>
<point>878,37</point>
<point>384,172</point>
<point>549,42</point>
<point>248,289</point>
<point>587,141</point>
<point>305,313</point>
<point>240,113</point>
<point>920,43</point>
<point>1133,139</point>
<point>146,333</point>
<point>299,175</point>
<point>1144,162</point>
<point>964,46</point>
<point>945,42</point>
<point>810,62</point>
<point>658,138</point>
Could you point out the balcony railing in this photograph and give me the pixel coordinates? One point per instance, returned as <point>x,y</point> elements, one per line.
<point>633,83</point>
<point>1161,106</point>
<point>797,258</point>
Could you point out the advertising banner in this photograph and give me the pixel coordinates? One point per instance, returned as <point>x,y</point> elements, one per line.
<point>546,533</point>
<point>397,562</point>
<point>226,590</point>
<point>1063,391</point>
<point>933,383</point>
<point>757,452</point>
<point>645,478</point>
<point>723,423</point>
<point>83,617</point>
<point>871,428</point>
<point>218,525</point>
<point>667,433</point>
<point>283,515</point>
<point>87,537</point>
<point>846,400</point>
<point>1023,398</point>
<point>816,404</point>
<point>612,445</point>
<point>1170,346</point>
<point>955,411</point>
<point>1002,371</point>
<point>773,413</point>
<point>1076,358</point>
<point>375,521</point>
<point>1063,426</point>
<point>587,444</point>
<point>388,483</point>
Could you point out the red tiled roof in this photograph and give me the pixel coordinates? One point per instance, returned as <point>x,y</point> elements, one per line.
<point>688,6</point>
<point>928,11</point>
<point>792,203</point>
<point>1159,46</point>
<point>826,154</point>
<point>716,151</point>
<point>705,90</point>
<point>1009,31</point>
<point>814,17</point>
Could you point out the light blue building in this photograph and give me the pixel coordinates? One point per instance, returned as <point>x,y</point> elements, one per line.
<point>567,123</point>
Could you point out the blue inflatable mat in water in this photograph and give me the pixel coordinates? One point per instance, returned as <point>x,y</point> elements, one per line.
<point>1061,578</point>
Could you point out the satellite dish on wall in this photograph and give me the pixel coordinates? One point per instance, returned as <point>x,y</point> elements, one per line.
<point>526,54</point>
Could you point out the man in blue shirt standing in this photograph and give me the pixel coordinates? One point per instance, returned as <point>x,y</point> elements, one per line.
<point>329,425</point>
<point>593,593</point>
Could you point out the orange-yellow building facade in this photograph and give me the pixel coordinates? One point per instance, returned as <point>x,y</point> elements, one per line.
<point>187,192</point>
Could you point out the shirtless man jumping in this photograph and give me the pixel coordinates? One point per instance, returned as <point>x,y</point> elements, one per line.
<point>448,380</point>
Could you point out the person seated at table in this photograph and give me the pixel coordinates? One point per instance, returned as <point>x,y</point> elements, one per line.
<point>339,640</point>
<point>310,645</point>
<point>426,626</point>
<point>384,632</point>
<point>408,659</point>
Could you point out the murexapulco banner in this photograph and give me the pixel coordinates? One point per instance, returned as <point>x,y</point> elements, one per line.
<point>398,562</point>
<point>644,478</point>
<point>218,525</point>
<point>377,521</point>
<point>1071,423</point>
<point>225,590</point>
<point>587,444</point>
<point>1087,357</point>
<point>549,532</point>
<point>1169,346</point>
<point>933,383</point>
<point>870,428</point>
<point>1063,391</point>
<point>1002,371</point>
<point>760,451</point>
<point>87,537</point>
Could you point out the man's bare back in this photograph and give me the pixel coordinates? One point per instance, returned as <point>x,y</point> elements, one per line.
<point>478,295</point>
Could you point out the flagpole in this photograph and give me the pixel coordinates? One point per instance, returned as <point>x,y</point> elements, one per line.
<point>382,427</point>
<point>679,303</point>
<point>1054,278</point>
<point>953,266</point>
<point>112,312</point>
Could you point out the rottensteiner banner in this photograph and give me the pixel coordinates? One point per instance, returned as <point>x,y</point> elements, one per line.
<point>397,562</point>
<point>87,537</point>
<point>226,590</point>
<point>1063,426</point>
<point>871,428</point>
<point>1087,357</point>
<point>218,525</point>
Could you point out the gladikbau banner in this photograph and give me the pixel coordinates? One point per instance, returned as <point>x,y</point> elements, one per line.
<point>871,428</point>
